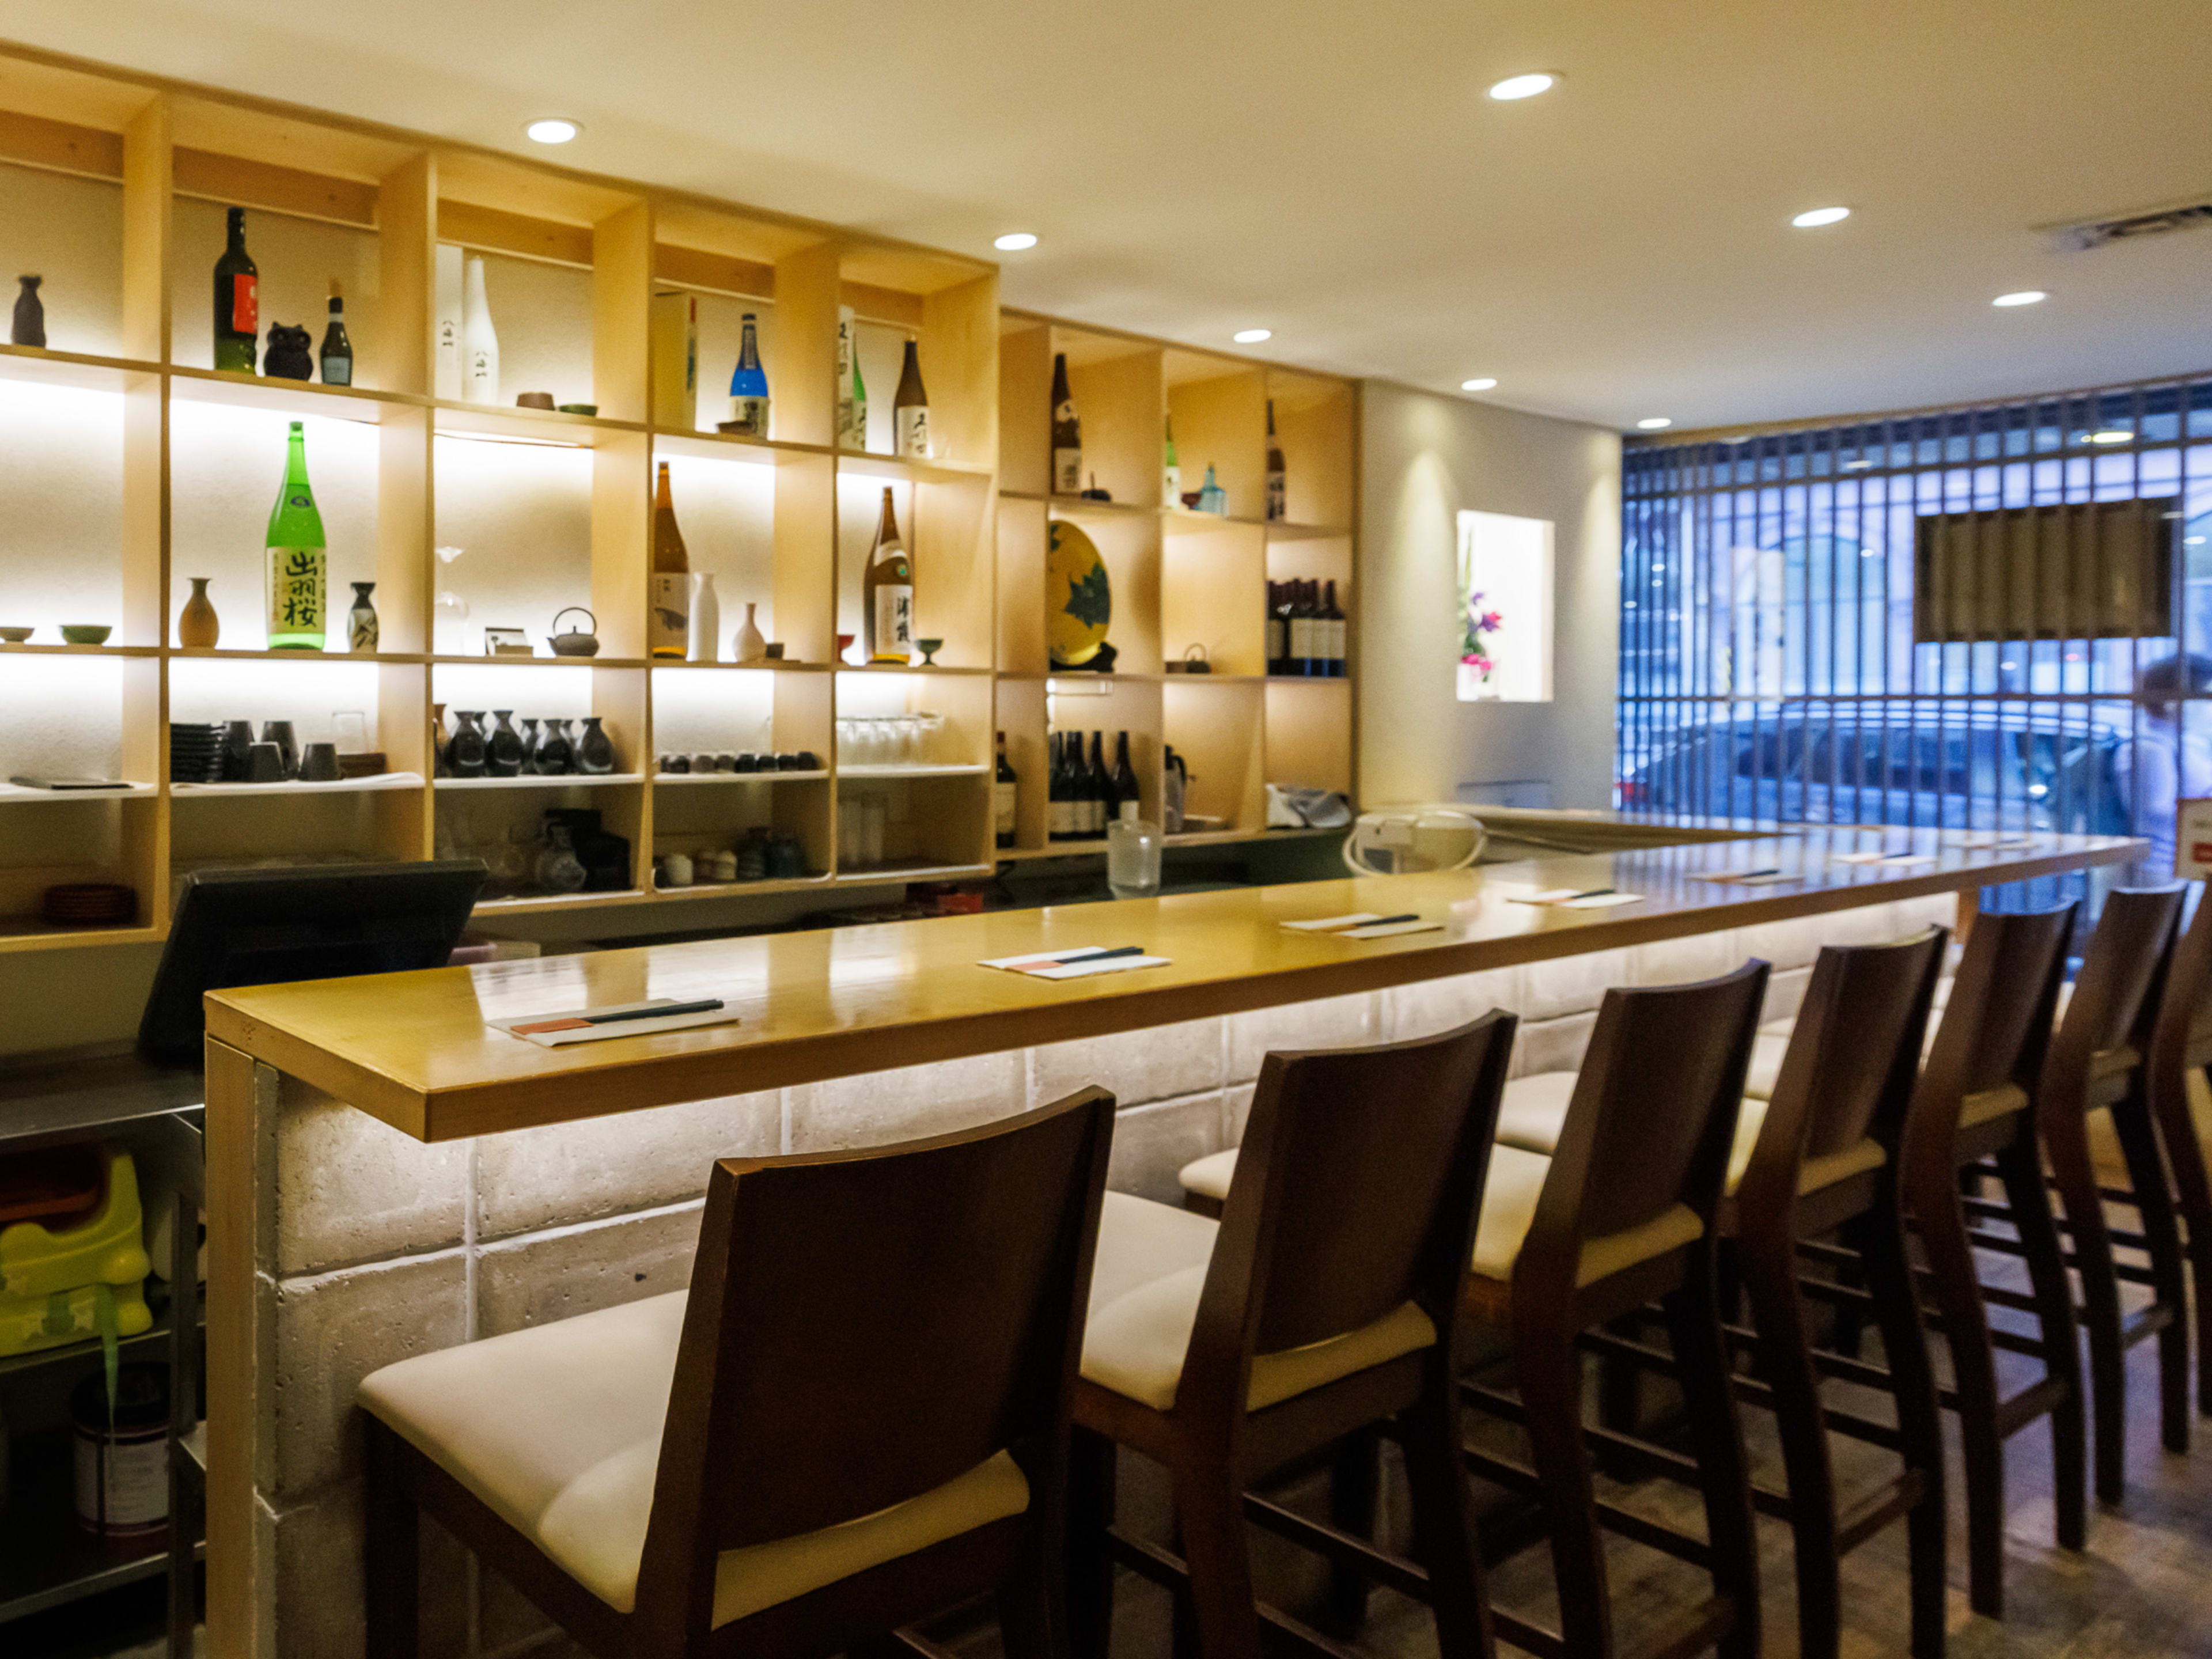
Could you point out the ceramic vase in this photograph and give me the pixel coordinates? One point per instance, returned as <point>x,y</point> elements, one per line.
<point>503,747</point>
<point>361,620</point>
<point>530,741</point>
<point>199,626</point>
<point>704,644</point>
<point>480,351</point>
<point>30,325</point>
<point>747,644</point>
<point>557,752</point>
<point>237,763</point>
<point>559,869</point>
<point>467,754</point>
<point>595,749</point>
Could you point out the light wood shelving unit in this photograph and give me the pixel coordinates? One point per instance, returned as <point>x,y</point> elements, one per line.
<point>1179,577</point>
<point>118,183</point>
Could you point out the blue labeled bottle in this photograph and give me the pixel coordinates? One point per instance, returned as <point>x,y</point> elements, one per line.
<point>748,390</point>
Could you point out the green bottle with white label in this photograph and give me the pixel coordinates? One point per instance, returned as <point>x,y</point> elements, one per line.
<point>298,565</point>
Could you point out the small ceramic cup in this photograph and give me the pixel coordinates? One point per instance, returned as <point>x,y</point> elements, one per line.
<point>533,400</point>
<point>676,869</point>
<point>318,763</point>
<point>265,763</point>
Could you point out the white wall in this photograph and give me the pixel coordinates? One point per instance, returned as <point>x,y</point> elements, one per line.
<point>1423,458</point>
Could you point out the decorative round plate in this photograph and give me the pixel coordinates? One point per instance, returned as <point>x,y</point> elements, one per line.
<point>1078,600</point>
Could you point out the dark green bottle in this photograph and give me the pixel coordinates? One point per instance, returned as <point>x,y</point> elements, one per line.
<point>237,302</point>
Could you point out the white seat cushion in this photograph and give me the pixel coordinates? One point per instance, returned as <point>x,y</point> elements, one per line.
<point>1533,1110</point>
<point>1816,1172</point>
<point>1767,1050</point>
<point>558,1430</point>
<point>1145,1291</point>
<point>1209,1176</point>
<point>1510,1196</point>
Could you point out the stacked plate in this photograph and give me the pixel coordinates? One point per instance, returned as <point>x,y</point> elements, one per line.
<point>195,753</point>
<point>90,903</point>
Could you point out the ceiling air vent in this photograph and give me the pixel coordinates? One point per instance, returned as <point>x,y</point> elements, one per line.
<point>2098,232</point>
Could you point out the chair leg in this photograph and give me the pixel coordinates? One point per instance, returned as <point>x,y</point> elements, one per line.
<point>1693,1318</point>
<point>2193,1181</point>
<point>1090,1606</point>
<point>1209,1501</point>
<point>1919,1420</point>
<point>1443,1524</point>
<point>1547,1373</point>
<point>1354,1488</point>
<point>2066,1142</point>
<point>1032,1617</point>
<point>1974,1380</point>
<point>2021,1167</point>
<point>1768,1269</point>
<point>2154,1190</point>
<point>391,1538</point>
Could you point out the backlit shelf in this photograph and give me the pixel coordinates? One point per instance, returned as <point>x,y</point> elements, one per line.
<point>546,661</point>
<point>524,904</point>
<point>1285,530</point>
<point>274,395</point>
<point>17,792</point>
<point>889,873</point>
<point>729,446</point>
<point>695,778</point>
<point>1074,507</point>
<point>896,469</point>
<point>881,772</point>
<point>544,781</point>
<point>906,668</point>
<point>760,889</point>
<point>759,665</point>
<point>374,782</point>
<point>33,648</point>
<point>504,423</point>
<point>241,653</point>
<point>83,371</point>
<point>1182,521</point>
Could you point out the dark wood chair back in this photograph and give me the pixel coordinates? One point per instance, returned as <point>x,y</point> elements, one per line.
<point>1652,1118</point>
<point>1852,1060</point>
<point>2183,1035</point>
<point>1996,1029</point>
<point>2115,997</point>
<point>1358,1186</point>
<point>866,1326</point>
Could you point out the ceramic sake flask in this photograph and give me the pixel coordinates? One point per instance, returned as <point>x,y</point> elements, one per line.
<point>361,620</point>
<point>30,321</point>
<point>197,626</point>
<point>748,645</point>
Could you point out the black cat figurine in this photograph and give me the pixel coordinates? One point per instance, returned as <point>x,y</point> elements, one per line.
<point>290,355</point>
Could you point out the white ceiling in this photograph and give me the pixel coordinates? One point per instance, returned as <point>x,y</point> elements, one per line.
<point>1615,249</point>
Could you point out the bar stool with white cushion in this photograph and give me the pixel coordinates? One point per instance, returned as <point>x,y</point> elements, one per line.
<point>855,1418</point>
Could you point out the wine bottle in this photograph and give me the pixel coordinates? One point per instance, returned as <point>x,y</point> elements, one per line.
<point>1059,822</point>
<point>1170,472</point>
<point>1127,795</point>
<point>910,407</point>
<point>887,593</point>
<point>298,564</point>
<point>1066,434</point>
<point>748,389</point>
<point>480,343</point>
<point>237,303</point>
<point>1275,480</point>
<point>1276,644</point>
<point>338,345</point>
<point>1003,796</point>
<point>1337,630</point>
<point>1102,787</point>
<point>668,614</point>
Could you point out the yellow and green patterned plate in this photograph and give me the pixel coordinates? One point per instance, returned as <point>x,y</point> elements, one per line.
<point>1078,600</point>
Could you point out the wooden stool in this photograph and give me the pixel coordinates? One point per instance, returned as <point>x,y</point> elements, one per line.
<point>1974,1105</point>
<point>1320,1304</point>
<point>855,1418</point>
<point>2181,1042</point>
<point>1622,1213</point>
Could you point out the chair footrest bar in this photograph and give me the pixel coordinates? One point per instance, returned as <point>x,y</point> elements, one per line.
<point>1868,1431</point>
<point>2147,1322</point>
<point>1502,1472</point>
<point>1860,1520</point>
<point>1517,1631</point>
<point>1698,1629</point>
<point>1496,1402</point>
<point>1407,1578</point>
<point>1653,1535</point>
<point>1838,1255</point>
<point>1849,1368</point>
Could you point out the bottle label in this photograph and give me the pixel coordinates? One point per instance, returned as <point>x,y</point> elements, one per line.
<point>123,1486</point>
<point>337,371</point>
<point>1336,645</point>
<point>1002,809</point>
<point>296,590</point>
<point>913,432</point>
<point>1063,819</point>
<point>1301,639</point>
<point>1067,471</point>
<point>1171,487</point>
<point>853,422</point>
<point>245,305</point>
<point>749,417</point>
<point>1278,639</point>
<point>894,619</point>
<point>668,619</point>
<point>1274,495</point>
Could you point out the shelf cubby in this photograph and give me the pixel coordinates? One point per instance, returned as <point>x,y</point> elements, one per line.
<point>1219,730</point>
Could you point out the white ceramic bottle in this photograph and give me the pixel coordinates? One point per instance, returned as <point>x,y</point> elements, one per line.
<point>704,644</point>
<point>450,323</point>
<point>481,340</point>
<point>748,644</point>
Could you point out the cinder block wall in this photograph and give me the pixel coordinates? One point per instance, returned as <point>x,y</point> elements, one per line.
<point>374,1247</point>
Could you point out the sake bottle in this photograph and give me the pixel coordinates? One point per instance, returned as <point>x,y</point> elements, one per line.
<point>748,389</point>
<point>910,407</point>
<point>1066,434</point>
<point>298,564</point>
<point>668,613</point>
<point>887,593</point>
<point>1170,472</point>
<point>480,342</point>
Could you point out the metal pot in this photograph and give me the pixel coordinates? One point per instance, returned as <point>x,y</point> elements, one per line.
<point>575,642</point>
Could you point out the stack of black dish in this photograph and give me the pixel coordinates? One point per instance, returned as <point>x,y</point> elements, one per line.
<point>195,753</point>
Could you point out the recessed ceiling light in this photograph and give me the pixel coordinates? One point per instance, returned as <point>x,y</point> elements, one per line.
<point>1813,218</point>
<point>1481,384</point>
<point>1252,335</point>
<point>553,130</point>
<point>1653,422</point>
<point>2027,296</point>
<point>2114,434</point>
<point>1523,86</point>
<point>1015,240</point>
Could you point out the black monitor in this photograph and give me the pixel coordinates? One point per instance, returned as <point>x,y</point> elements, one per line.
<point>271,927</point>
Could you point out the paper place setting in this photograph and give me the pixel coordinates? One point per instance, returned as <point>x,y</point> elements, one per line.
<point>1744,878</point>
<point>1861,858</point>
<point>622,1019</point>
<point>1994,842</point>
<point>1593,898</point>
<point>1367,924</point>
<point>1079,963</point>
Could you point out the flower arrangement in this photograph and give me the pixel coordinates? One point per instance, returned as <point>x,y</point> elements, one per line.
<point>1474,643</point>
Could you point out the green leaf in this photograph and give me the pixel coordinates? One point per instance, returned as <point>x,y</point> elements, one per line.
<point>1090,601</point>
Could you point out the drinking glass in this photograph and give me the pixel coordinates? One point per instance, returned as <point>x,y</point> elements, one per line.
<point>1132,858</point>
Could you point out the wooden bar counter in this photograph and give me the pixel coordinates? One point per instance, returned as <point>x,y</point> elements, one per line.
<point>387,1175</point>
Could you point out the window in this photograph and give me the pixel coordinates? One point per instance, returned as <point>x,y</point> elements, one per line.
<point>1506,608</point>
